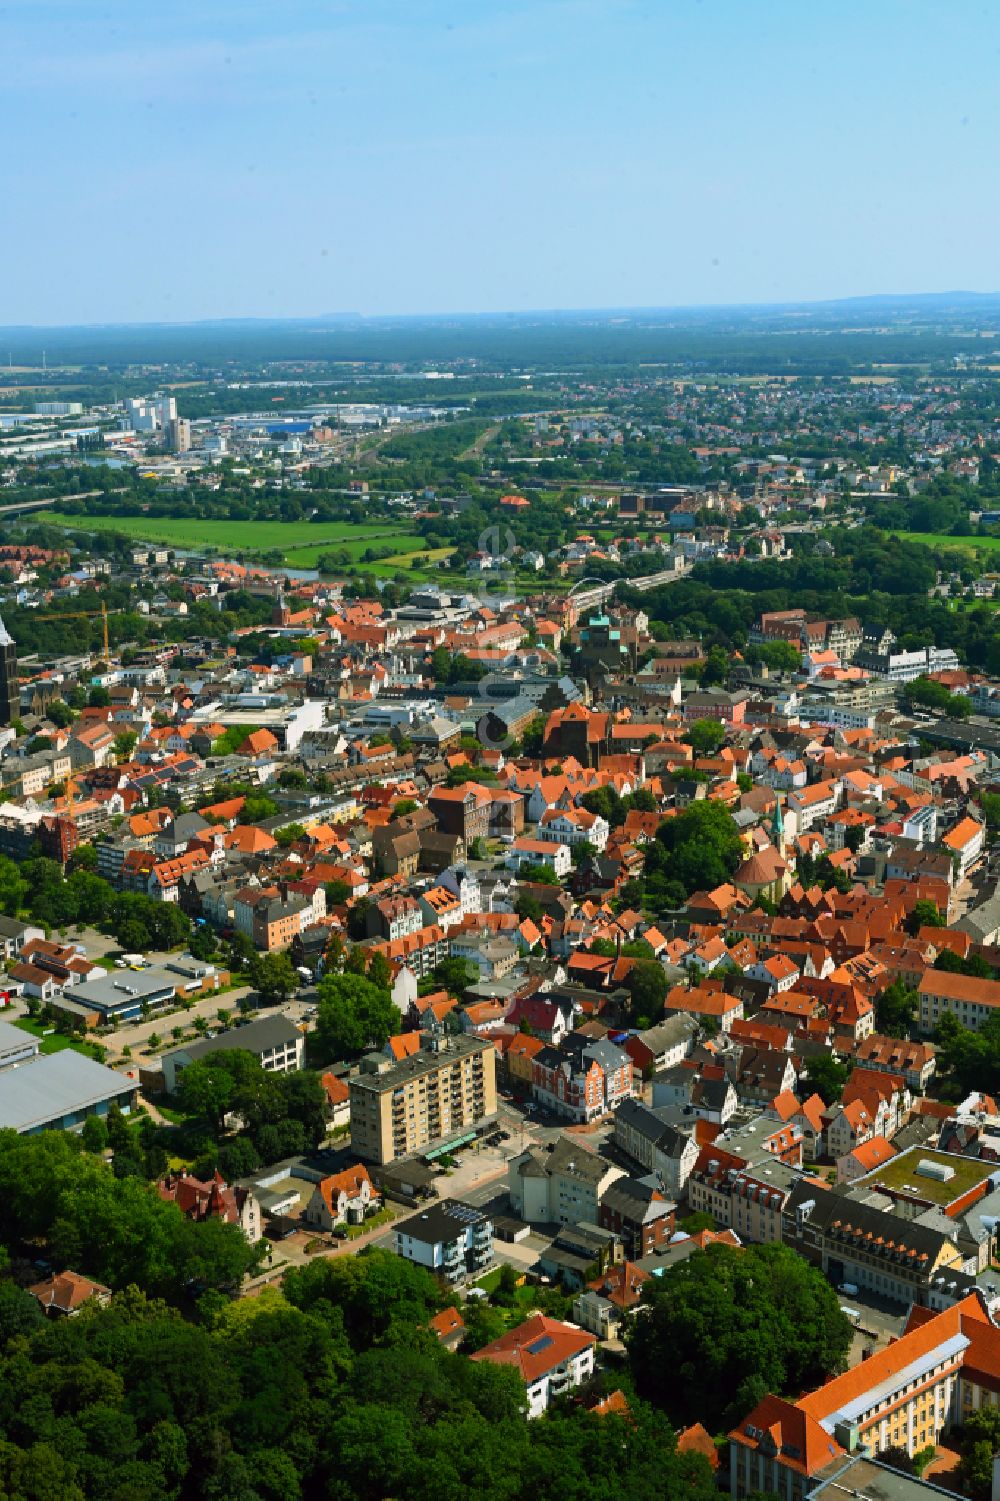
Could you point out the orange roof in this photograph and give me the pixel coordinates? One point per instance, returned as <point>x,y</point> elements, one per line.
<point>962,834</point>
<point>446,1323</point>
<point>405,1045</point>
<point>337,1092</point>
<point>874,1153</point>
<point>615,1403</point>
<point>349,1182</point>
<point>698,1440</point>
<point>796,1435</point>
<point>249,840</point>
<point>260,743</point>
<point>536,1347</point>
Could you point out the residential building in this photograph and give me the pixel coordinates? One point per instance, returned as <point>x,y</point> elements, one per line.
<point>341,1199</point>
<point>582,1079</point>
<point>65,1293</point>
<point>451,1239</point>
<point>438,1098</point>
<point>552,1358</point>
<point>562,1184</point>
<point>970,1000</point>
<point>214,1199</point>
<point>639,1212</point>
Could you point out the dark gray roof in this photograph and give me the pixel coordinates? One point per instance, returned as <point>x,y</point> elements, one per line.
<point>831,1205</point>
<point>257,1037</point>
<point>11,927</point>
<point>442,1222</point>
<point>634,1199</point>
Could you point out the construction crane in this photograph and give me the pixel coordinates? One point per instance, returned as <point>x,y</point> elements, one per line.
<point>101,614</point>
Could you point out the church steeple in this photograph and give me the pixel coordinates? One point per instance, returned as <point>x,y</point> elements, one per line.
<point>778,826</point>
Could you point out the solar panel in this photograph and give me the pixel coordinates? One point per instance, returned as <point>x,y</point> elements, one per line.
<point>538,1345</point>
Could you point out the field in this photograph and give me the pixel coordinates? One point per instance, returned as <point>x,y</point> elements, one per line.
<point>300,543</point>
<point>941,539</point>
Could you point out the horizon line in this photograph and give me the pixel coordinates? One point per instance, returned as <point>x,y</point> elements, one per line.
<point>635,310</point>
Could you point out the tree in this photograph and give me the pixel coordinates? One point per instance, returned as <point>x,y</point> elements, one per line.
<point>94,1134</point>
<point>827,1077</point>
<point>528,906</point>
<point>454,975</point>
<point>926,914</point>
<point>206,1088</point>
<point>705,737</point>
<point>896,1010</point>
<point>698,850</point>
<point>980,1441</point>
<point>290,834</point>
<point>726,1326</point>
<point>583,853</point>
<point>274,977</point>
<point>647,985</point>
<point>353,1015</point>
<point>379,971</point>
<point>990,804</point>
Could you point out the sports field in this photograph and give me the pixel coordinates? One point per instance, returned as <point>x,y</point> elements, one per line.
<point>299,542</point>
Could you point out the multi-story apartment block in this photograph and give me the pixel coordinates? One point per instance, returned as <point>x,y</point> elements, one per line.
<point>440,1096</point>
<point>944,1367</point>
<point>582,1079</point>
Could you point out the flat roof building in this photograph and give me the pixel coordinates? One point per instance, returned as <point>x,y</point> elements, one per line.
<point>58,1091</point>
<point>16,1046</point>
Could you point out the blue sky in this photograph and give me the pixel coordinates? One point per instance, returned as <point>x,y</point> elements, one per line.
<point>197,159</point>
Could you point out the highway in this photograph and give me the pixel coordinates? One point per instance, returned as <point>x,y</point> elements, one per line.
<point>53,500</point>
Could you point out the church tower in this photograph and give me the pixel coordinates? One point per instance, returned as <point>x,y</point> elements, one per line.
<point>778,827</point>
<point>10,693</point>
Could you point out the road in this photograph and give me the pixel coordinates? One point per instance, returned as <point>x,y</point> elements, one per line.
<point>53,501</point>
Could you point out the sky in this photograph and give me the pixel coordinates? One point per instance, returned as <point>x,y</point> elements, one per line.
<point>198,159</point>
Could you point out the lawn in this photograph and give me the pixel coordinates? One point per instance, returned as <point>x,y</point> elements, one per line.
<point>299,542</point>
<point>56,1042</point>
<point>384,1216</point>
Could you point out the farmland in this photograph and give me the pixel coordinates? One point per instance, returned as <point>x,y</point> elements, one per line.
<point>300,543</point>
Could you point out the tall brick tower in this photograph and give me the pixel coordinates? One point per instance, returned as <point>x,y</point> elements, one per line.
<point>10,694</point>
